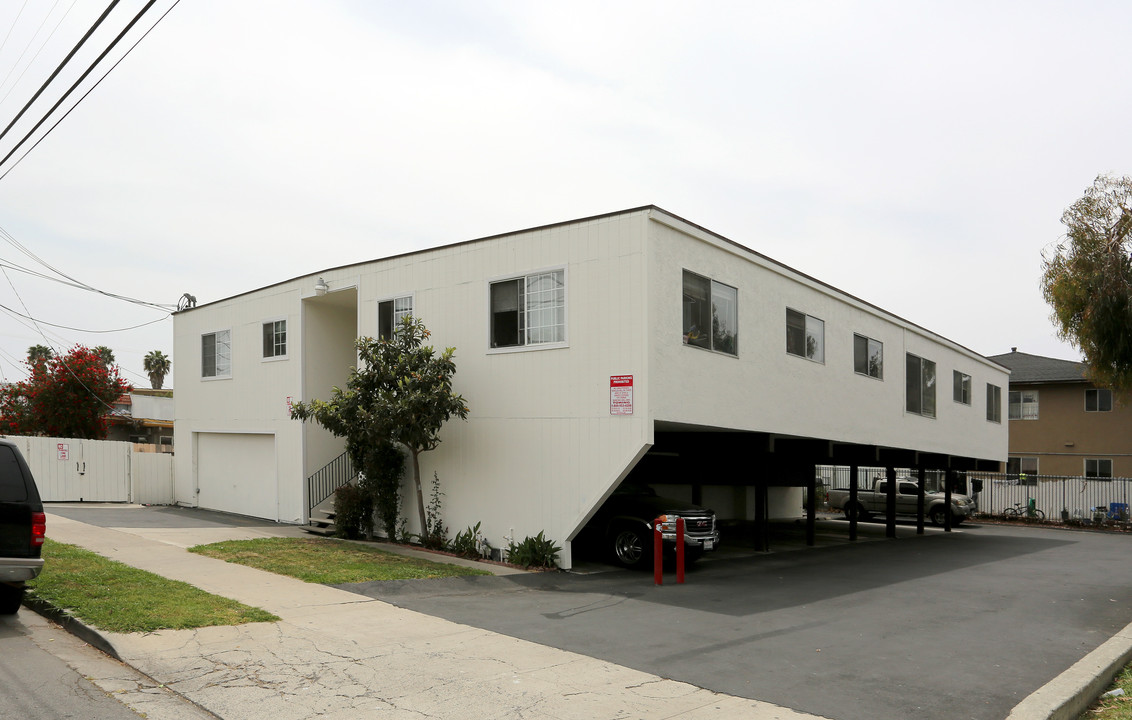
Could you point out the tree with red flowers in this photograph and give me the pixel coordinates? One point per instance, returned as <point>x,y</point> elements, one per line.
<point>65,396</point>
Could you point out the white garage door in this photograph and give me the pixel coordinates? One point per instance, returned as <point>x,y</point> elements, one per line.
<point>236,474</point>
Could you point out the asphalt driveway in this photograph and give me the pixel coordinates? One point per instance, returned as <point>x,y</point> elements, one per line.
<point>940,626</point>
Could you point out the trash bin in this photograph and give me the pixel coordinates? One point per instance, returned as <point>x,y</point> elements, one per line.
<point>1118,511</point>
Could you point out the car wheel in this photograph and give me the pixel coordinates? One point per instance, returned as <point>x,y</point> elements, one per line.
<point>938,517</point>
<point>856,511</point>
<point>10,598</point>
<point>632,547</point>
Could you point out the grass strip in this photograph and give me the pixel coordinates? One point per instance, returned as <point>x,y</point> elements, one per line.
<point>116,597</point>
<point>327,561</point>
<point>1114,708</point>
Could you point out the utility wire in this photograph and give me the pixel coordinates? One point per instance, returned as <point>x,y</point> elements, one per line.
<point>82,330</point>
<point>88,92</point>
<point>60,67</point>
<point>57,353</point>
<point>88,71</point>
<point>77,283</point>
<point>37,52</point>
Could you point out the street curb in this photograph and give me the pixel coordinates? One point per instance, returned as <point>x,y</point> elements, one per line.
<point>71,624</point>
<point>1073,691</point>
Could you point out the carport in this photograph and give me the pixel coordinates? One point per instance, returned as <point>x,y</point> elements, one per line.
<point>711,464</point>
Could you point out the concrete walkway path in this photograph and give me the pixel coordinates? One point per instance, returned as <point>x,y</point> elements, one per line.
<point>336,654</point>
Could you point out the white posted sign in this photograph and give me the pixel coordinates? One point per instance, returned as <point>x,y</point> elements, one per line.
<point>620,394</point>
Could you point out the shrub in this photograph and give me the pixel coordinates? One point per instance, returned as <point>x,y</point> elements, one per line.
<point>353,512</point>
<point>537,551</point>
<point>469,543</point>
<point>435,535</point>
<point>384,468</point>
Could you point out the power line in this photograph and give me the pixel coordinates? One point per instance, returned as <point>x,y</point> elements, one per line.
<point>88,71</point>
<point>95,332</point>
<point>84,96</point>
<point>59,68</point>
<point>77,283</point>
<point>30,41</point>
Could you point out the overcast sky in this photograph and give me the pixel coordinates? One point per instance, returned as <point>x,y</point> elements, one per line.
<point>916,155</point>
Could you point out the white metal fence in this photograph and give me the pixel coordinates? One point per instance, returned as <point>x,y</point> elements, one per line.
<point>74,470</point>
<point>1058,496</point>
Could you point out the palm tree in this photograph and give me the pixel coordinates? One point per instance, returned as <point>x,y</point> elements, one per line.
<point>156,364</point>
<point>105,354</point>
<point>39,353</point>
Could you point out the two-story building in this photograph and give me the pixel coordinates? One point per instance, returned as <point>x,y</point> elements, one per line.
<point>632,342</point>
<point>1061,424</point>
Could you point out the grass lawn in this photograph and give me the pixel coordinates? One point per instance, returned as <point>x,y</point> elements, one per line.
<point>1116,708</point>
<point>327,561</point>
<point>119,598</point>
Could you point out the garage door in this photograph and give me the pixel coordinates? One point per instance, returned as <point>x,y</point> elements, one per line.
<point>236,474</point>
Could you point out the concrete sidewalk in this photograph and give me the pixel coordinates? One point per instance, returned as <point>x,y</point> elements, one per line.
<point>336,654</point>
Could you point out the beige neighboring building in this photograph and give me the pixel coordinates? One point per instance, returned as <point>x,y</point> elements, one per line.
<point>1061,424</point>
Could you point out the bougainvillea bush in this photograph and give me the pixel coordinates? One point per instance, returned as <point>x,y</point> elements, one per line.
<point>64,396</point>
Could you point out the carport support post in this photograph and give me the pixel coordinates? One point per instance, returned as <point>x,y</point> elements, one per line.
<point>921,473</point>
<point>762,540</point>
<point>890,503</point>
<point>854,471</point>
<point>811,505</point>
<point>949,479</point>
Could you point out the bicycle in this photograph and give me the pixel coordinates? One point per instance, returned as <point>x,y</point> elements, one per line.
<point>1024,511</point>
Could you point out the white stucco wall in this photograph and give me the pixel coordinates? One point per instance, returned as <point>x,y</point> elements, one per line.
<point>539,450</point>
<point>766,389</point>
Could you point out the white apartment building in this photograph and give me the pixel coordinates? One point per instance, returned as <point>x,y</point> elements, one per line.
<point>632,342</point>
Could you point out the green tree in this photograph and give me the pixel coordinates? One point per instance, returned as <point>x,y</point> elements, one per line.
<point>157,365</point>
<point>105,353</point>
<point>401,392</point>
<point>1087,280</point>
<point>37,353</point>
<point>65,396</point>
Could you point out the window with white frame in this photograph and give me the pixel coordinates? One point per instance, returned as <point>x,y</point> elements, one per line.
<point>994,403</point>
<point>710,314</point>
<point>1098,400</point>
<point>1023,404</point>
<point>390,313</point>
<point>805,336</point>
<point>275,339</point>
<point>919,385</point>
<point>868,356</point>
<point>1098,468</point>
<point>529,310</point>
<point>961,390</point>
<point>216,354</point>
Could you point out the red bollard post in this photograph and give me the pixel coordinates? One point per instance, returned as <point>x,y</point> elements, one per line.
<point>679,551</point>
<point>657,553</point>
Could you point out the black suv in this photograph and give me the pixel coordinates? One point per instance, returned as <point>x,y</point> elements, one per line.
<point>22,528</point>
<point>623,526</point>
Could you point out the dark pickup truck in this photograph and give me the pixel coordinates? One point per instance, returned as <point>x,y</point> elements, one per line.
<point>22,528</point>
<point>623,526</point>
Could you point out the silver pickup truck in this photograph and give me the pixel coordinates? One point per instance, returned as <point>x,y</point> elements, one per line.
<point>875,501</point>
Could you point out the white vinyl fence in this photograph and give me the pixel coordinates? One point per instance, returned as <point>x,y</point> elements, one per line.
<point>1058,496</point>
<point>74,470</point>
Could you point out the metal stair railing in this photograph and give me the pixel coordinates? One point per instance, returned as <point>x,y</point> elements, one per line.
<point>325,481</point>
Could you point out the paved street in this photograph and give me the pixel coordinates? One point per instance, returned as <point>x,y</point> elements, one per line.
<point>938,627</point>
<point>47,673</point>
<point>963,625</point>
